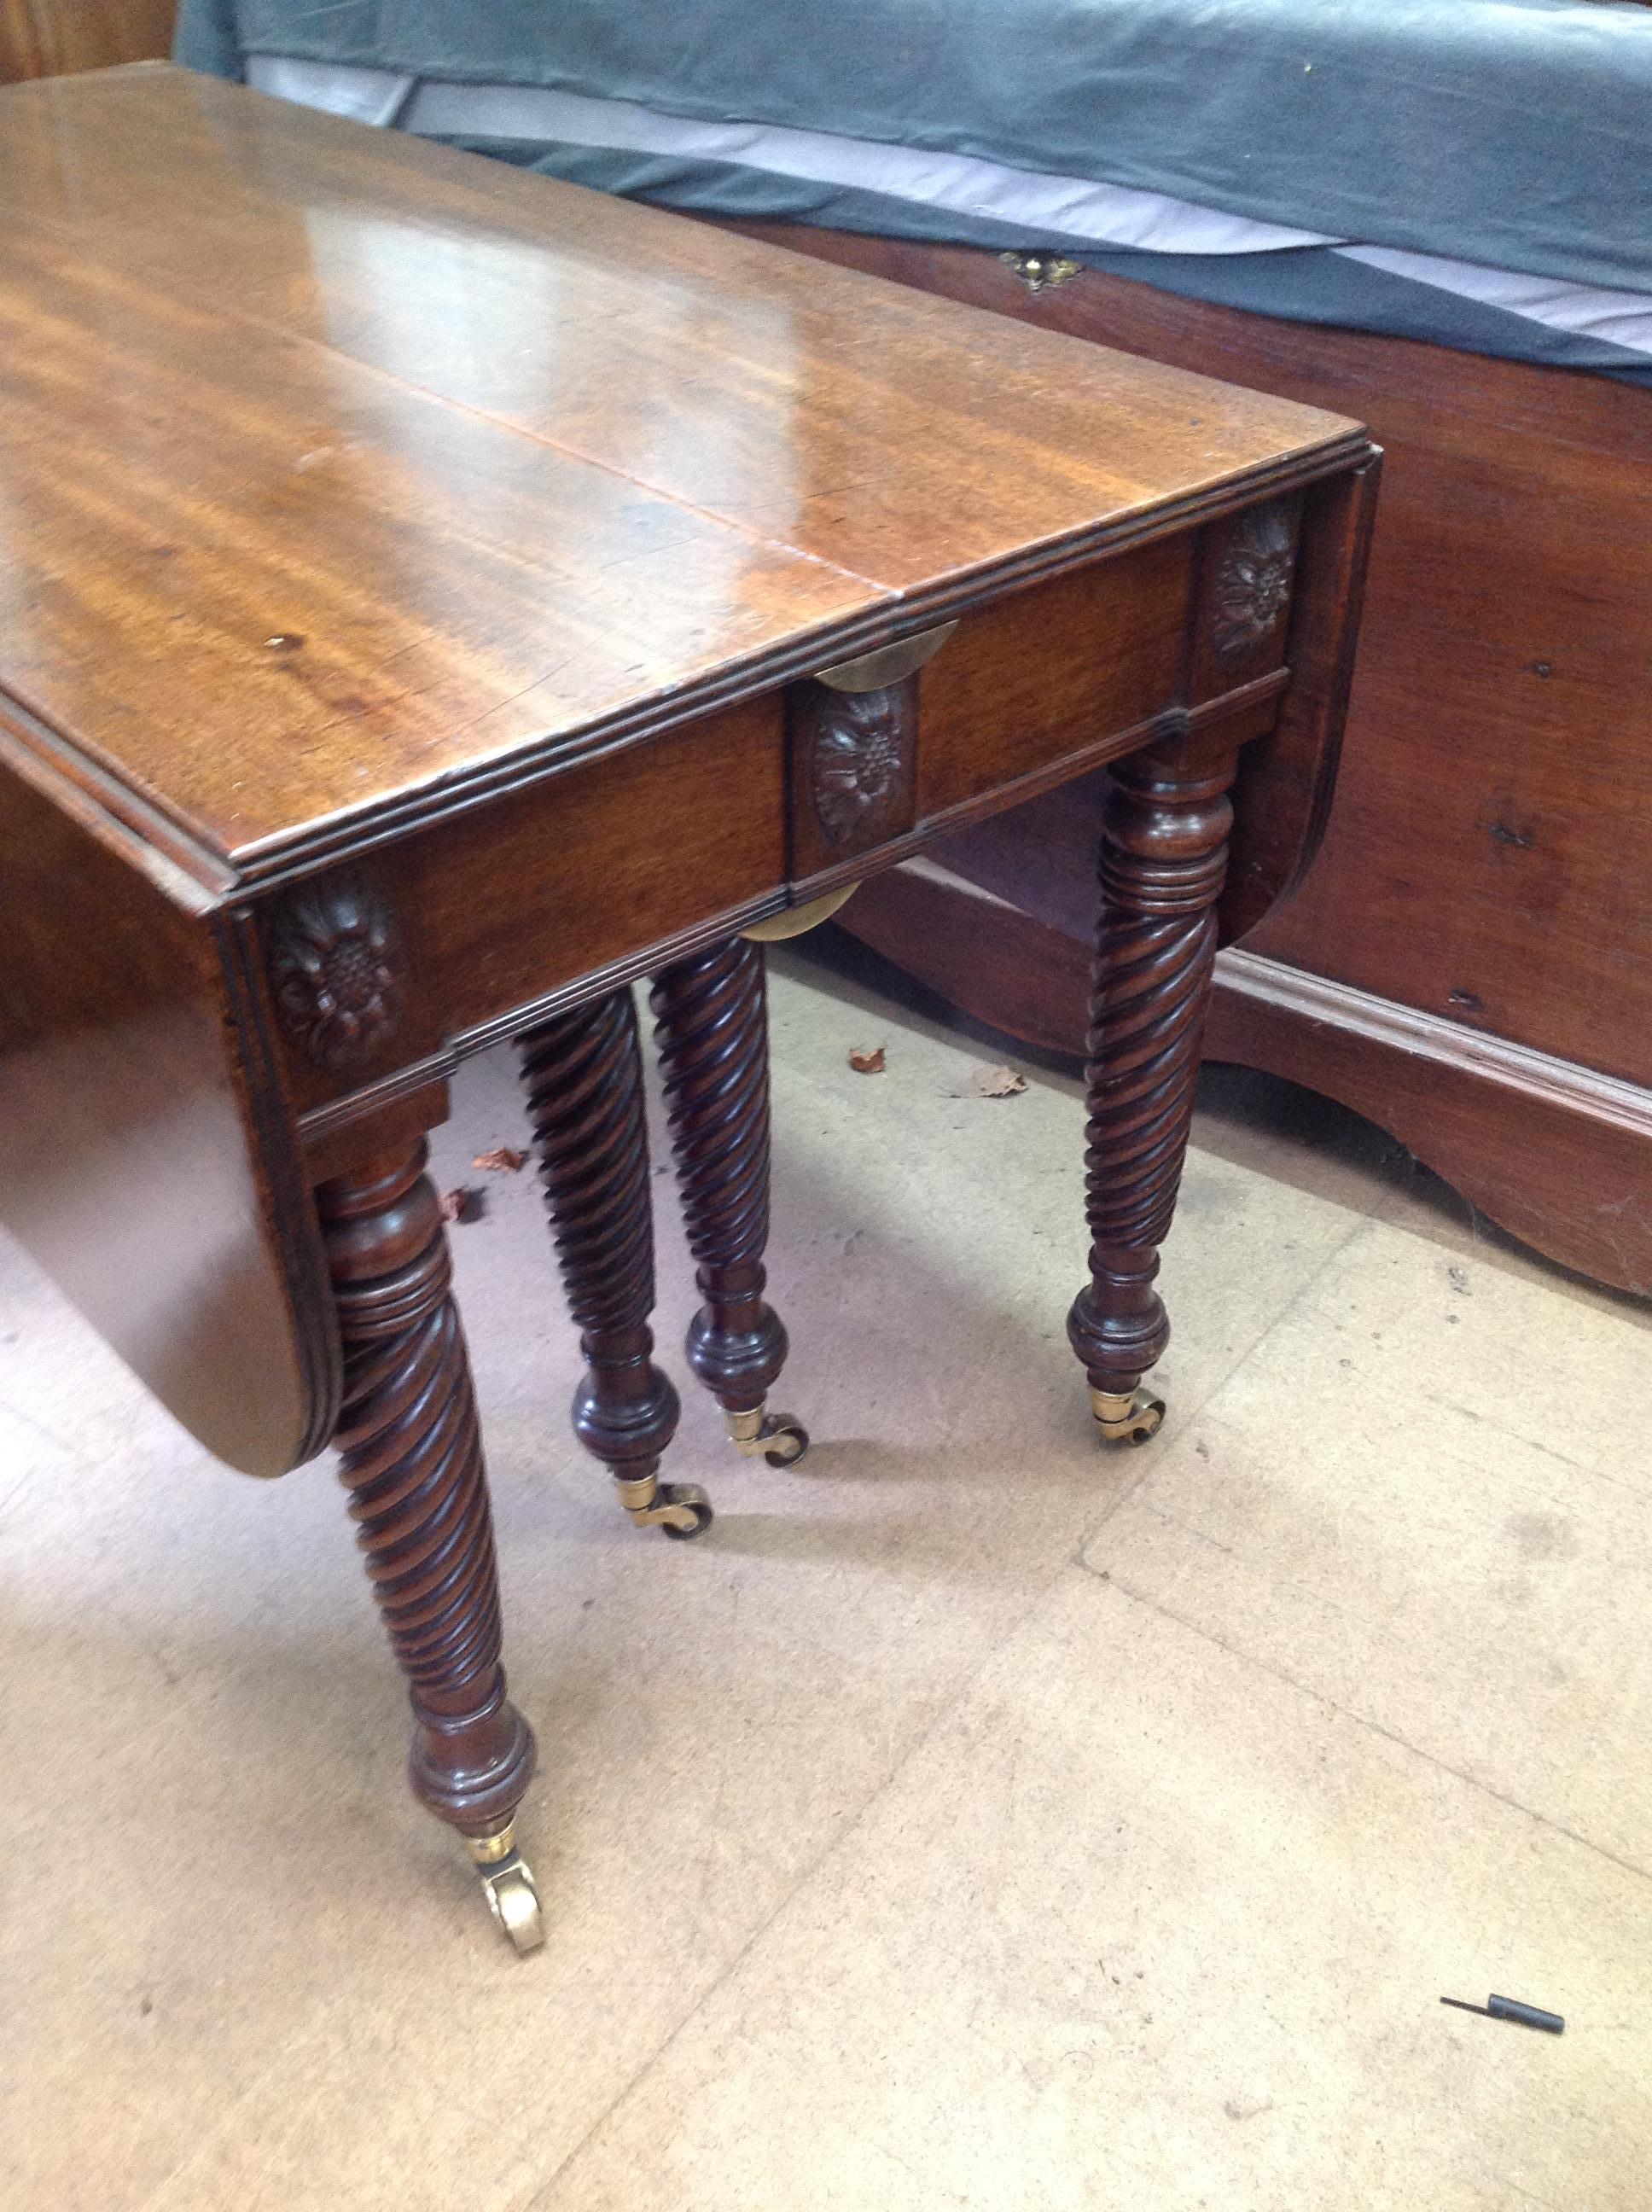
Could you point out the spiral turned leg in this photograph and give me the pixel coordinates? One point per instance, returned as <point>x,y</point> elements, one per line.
<point>712,1032</point>
<point>410,1454</point>
<point>584,1075</point>
<point>1164,859</point>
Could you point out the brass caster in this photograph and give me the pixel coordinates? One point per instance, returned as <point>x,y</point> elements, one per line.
<point>508,1883</point>
<point>681,1509</point>
<point>1127,1417</point>
<point>780,1438</point>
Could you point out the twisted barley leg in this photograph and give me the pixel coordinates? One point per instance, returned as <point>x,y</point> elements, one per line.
<point>410,1454</point>
<point>712,1033</point>
<point>584,1075</point>
<point>1163,860</point>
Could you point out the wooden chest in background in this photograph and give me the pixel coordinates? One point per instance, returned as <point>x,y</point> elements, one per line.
<point>1469,962</point>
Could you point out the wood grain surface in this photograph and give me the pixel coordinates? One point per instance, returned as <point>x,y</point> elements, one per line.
<point>412,463</point>
<point>133,1081</point>
<point>52,38</point>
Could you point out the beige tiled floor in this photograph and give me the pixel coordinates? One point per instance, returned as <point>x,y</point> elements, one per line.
<point>970,1820</point>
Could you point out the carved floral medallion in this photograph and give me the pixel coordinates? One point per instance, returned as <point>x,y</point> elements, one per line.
<point>1253,584</point>
<point>859,759</point>
<point>335,967</point>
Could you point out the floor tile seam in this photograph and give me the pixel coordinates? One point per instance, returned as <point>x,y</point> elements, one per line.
<point>201,2150</point>
<point>537,2195</point>
<point>527,2200</point>
<point>1363,1721</point>
<point>202,2147</point>
<point>1376,1623</point>
<point>11,1411</point>
<point>1270,1575</point>
<point>1534,1443</point>
<point>1148,1473</point>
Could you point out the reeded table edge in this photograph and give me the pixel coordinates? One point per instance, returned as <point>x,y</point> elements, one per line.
<point>144,822</point>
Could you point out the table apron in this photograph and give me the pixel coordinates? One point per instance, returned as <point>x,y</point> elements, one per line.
<point>386,970</point>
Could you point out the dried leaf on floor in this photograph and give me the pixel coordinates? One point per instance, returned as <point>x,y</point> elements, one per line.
<point>463,1204</point>
<point>867,1063</point>
<point>504,1159</point>
<point>996,1082</point>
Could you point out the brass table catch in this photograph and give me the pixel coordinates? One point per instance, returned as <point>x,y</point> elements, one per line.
<point>886,663</point>
<point>512,1897</point>
<point>1035,270</point>
<point>796,921</point>
<point>1126,1416</point>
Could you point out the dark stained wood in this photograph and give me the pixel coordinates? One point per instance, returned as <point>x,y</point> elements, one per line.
<point>1039,678</point>
<point>853,770</point>
<point>405,524</point>
<point>381,599</point>
<point>419,580</point>
<point>399,1122</point>
<point>403,679</point>
<point>710,1032</point>
<point>1284,787</point>
<point>573,866</point>
<point>147,1159</point>
<point>1469,873</point>
<point>1554,1152</point>
<point>410,1457</point>
<point>781,400</point>
<point>583,1073</point>
<point>1247,571</point>
<point>1002,966</point>
<point>1164,859</point>
<point>52,38</point>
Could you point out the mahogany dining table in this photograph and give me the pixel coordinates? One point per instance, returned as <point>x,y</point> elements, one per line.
<point>433,598</point>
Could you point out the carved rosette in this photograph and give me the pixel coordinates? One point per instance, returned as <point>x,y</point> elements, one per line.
<point>861,759</point>
<point>1253,584</point>
<point>335,965</point>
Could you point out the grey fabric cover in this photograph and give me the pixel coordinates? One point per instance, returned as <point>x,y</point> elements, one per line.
<point>1513,132</point>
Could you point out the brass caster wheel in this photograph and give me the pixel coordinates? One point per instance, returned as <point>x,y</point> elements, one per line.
<point>681,1509</point>
<point>507,1882</point>
<point>1127,1417</point>
<point>780,1438</point>
<point>791,1440</point>
<point>689,1509</point>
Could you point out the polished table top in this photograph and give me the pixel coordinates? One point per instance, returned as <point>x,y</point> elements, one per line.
<point>426,592</point>
<point>342,474</point>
